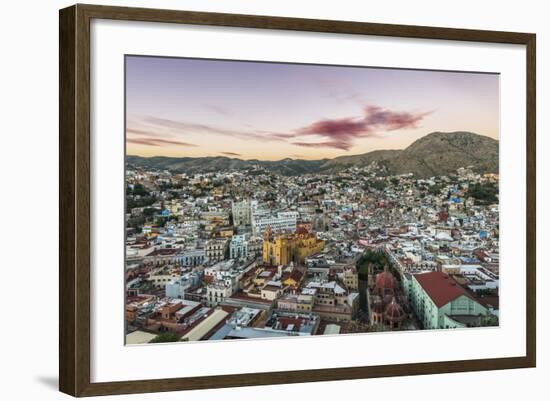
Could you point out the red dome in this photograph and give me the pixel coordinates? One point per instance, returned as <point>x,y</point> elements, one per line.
<point>394,312</point>
<point>301,230</point>
<point>385,281</point>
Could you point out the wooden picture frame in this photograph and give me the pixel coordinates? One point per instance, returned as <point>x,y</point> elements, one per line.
<point>74,202</point>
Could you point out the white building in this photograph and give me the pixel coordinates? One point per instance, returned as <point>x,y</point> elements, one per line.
<point>238,247</point>
<point>478,278</point>
<point>254,247</point>
<point>216,293</point>
<point>176,287</point>
<point>215,249</point>
<point>191,257</point>
<point>242,213</point>
<point>224,280</point>
<point>440,303</point>
<point>283,222</point>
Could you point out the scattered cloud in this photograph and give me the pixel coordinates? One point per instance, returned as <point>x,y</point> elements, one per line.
<point>217,109</point>
<point>328,144</point>
<point>141,132</point>
<point>157,142</point>
<point>388,120</point>
<point>341,133</point>
<point>337,128</point>
<point>151,137</point>
<point>186,127</point>
<point>340,90</point>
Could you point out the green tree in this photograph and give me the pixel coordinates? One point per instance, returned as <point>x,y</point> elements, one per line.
<point>135,222</point>
<point>149,211</point>
<point>484,194</point>
<point>377,184</point>
<point>139,202</point>
<point>489,320</point>
<point>378,258</point>
<point>435,189</point>
<point>165,338</point>
<point>139,189</point>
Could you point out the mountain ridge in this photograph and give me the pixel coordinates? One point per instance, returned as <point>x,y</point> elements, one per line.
<point>437,153</point>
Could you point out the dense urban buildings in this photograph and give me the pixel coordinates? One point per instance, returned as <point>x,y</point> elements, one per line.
<point>356,250</point>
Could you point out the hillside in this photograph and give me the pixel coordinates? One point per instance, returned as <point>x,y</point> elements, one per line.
<point>441,153</point>
<point>438,153</point>
<point>359,160</point>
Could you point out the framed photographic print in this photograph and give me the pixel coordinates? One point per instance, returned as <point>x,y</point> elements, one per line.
<point>250,200</point>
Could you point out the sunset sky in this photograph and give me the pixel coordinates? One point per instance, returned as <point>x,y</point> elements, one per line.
<point>271,111</point>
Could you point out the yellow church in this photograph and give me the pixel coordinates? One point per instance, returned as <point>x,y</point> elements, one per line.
<point>282,249</point>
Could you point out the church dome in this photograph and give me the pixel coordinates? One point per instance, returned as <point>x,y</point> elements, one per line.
<point>394,312</point>
<point>385,281</point>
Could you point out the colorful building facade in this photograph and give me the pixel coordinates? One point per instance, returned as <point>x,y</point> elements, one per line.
<point>440,303</point>
<point>285,248</point>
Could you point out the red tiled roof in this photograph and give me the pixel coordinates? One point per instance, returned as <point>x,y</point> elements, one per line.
<point>247,298</point>
<point>441,288</point>
<point>295,275</point>
<point>286,321</point>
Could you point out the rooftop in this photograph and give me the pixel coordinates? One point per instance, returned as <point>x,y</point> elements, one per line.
<point>441,288</point>
<point>163,252</point>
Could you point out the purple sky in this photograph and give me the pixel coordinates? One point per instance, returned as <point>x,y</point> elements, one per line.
<point>189,107</point>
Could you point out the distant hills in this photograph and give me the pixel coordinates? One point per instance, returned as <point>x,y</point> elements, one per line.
<point>438,153</point>
<point>442,153</point>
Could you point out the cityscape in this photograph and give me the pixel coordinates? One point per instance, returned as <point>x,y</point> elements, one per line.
<point>360,215</point>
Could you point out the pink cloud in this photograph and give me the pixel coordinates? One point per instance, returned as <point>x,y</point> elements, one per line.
<point>341,133</point>
<point>343,145</point>
<point>391,120</point>
<point>338,128</point>
<point>338,133</point>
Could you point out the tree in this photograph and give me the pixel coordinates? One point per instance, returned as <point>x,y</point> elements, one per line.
<point>484,194</point>
<point>435,189</point>
<point>165,338</point>
<point>138,189</point>
<point>149,211</point>
<point>139,202</point>
<point>378,185</point>
<point>135,222</point>
<point>378,258</point>
<point>489,320</point>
